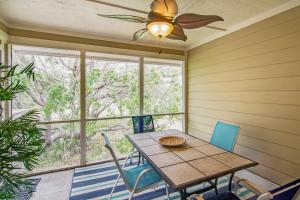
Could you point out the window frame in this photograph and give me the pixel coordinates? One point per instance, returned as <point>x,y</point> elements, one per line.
<point>83,117</point>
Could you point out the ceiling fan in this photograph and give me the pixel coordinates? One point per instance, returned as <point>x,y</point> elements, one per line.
<point>163,21</point>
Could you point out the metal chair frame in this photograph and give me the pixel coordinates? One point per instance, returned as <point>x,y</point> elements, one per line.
<point>121,174</point>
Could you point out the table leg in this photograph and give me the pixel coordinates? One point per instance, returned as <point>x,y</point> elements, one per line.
<point>216,185</point>
<point>139,159</point>
<point>182,194</point>
<point>230,181</point>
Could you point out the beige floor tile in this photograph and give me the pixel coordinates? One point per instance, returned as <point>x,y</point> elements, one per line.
<point>209,166</point>
<point>166,159</point>
<point>182,173</point>
<point>209,149</point>
<point>54,186</point>
<point>188,154</point>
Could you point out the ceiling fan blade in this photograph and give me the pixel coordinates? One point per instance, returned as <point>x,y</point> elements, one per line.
<point>154,16</point>
<point>216,28</point>
<point>190,20</point>
<point>128,18</point>
<point>139,33</point>
<point>177,33</point>
<point>118,6</point>
<point>167,8</point>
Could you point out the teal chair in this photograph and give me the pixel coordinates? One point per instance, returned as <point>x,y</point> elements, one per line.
<point>224,136</point>
<point>136,179</point>
<point>142,124</point>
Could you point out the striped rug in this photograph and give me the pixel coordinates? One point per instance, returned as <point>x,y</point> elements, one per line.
<point>96,182</point>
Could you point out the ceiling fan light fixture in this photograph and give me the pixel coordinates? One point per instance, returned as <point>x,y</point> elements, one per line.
<point>160,28</point>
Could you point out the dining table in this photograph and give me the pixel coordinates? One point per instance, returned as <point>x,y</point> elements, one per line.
<point>193,163</point>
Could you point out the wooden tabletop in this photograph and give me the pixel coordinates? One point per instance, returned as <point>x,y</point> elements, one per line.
<point>195,162</point>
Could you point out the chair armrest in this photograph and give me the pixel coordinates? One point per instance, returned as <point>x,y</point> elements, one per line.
<point>249,185</point>
<point>130,154</point>
<point>140,176</point>
<point>196,197</point>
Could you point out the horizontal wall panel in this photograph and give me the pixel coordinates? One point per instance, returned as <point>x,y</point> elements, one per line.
<point>252,78</point>
<point>271,84</point>
<point>284,42</point>
<point>270,58</point>
<point>269,135</point>
<point>267,160</point>
<point>264,97</point>
<point>291,126</point>
<point>257,37</point>
<point>263,25</point>
<point>287,168</point>
<point>199,134</point>
<point>269,71</point>
<point>270,110</point>
<point>271,174</point>
<point>276,150</point>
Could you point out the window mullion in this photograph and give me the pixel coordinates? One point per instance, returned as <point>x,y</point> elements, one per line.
<point>82,108</point>
<point>141,86</point>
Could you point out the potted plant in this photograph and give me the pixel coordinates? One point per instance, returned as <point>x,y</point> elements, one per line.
<point>21,140</point>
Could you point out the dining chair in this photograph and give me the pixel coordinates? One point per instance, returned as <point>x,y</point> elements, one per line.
<point>224,136</point>
<point>136,179</point>
<point>142,124</point>
<point>289,191</point>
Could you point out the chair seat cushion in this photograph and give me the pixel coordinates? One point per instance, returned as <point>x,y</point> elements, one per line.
<point>223,196</point>
<point>147,179</point>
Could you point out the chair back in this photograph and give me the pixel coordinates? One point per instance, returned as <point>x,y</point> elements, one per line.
<point>109,147</point>
<point>224,136</point>
<point>143,124</point>
<point>290,191</point>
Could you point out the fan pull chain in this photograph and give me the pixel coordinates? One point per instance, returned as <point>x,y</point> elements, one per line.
<point>159,45</point>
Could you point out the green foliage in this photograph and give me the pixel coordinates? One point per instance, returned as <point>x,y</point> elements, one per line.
<point>57,99</point>
<point>112,89</point>
<point>123,145</point>
<point>8,90</point>
<point>20,137</point>
<point>163,90</point>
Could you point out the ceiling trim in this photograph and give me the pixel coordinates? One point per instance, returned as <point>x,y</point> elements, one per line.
<point>89,41</point>
<point>3,27</point>
<point>284,7</point>
<point>3,31</point>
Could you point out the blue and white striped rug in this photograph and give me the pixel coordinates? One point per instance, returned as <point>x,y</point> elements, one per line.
<point>96,182</point>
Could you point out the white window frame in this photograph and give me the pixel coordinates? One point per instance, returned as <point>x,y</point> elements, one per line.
<point>83,118</point>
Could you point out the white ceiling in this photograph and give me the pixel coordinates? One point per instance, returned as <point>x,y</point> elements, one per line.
<point>78,17</point>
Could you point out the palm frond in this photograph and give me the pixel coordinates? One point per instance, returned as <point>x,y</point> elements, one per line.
<point>21,138</point>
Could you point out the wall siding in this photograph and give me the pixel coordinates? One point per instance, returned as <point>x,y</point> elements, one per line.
<point>252,78</point>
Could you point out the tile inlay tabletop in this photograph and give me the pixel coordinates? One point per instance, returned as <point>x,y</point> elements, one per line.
<point>181,173</point>
<point>188,154</point>
<point>191,164</point>
<point>209,166</point>
<point>166,159</point>
<point>209,149</point>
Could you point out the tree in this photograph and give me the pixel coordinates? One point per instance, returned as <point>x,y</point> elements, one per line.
<point>20,137</point>
<point>112,89</point>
